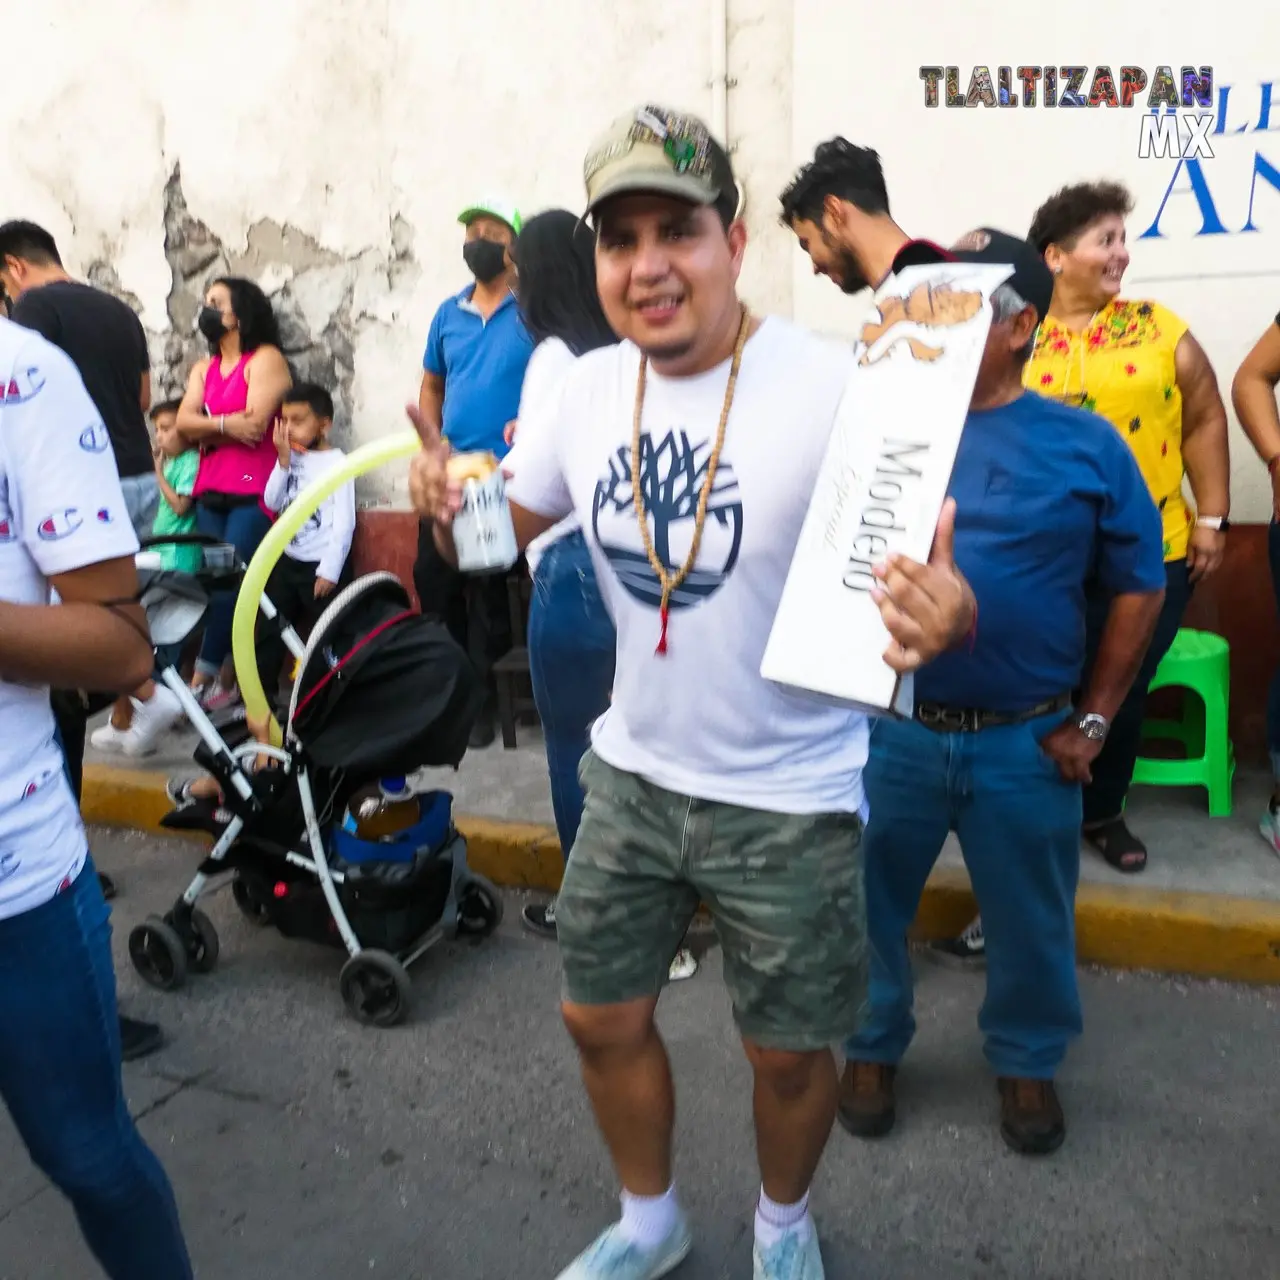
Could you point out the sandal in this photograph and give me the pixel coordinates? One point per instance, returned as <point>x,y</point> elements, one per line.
<point>1119,847</point>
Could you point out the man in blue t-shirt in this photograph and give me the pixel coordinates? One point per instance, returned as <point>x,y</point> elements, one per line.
<point>472,373</point>
<point>1047,498</point>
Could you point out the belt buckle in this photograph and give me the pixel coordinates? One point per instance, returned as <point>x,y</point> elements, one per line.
<point>946,719</point>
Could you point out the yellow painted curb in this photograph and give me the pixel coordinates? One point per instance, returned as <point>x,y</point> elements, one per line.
<point>1205,935</point>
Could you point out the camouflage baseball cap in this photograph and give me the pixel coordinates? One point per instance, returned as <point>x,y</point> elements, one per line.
<point>659,151</point>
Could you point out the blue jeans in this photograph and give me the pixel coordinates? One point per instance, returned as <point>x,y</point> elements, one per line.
<point>572,648</point>
<point>60,1079</point>
<point>1019,827</point>
<point>243,527</point>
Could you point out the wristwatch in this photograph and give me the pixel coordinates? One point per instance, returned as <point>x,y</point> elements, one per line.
<point>1093,726</point>
<point>1219,524</point>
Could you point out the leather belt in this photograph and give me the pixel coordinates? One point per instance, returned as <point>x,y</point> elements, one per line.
<point>943,719</point>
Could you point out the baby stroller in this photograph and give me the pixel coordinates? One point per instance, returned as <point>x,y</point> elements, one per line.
<point>380,692</point>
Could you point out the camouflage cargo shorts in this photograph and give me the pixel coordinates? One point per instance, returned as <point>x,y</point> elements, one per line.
<point>785,892</point>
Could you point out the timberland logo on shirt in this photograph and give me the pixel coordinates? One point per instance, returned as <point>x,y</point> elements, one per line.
<point>672,472</point>
<point>881,516</point>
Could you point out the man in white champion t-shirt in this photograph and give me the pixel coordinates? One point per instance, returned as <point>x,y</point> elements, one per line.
<point>65,528</point>
<point>704,782</point>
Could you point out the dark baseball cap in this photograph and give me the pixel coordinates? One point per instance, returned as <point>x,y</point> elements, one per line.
<point>653,150</point>
<point>1031,280</point>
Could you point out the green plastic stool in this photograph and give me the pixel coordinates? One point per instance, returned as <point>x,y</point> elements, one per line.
<point>1199,662</point>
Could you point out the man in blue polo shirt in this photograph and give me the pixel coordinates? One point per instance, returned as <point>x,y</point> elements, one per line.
<point>472,373</point>
<point>1047,497</point>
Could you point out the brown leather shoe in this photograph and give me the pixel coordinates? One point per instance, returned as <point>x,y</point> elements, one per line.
<point>1031,1119</point>
<point>866,1107</point>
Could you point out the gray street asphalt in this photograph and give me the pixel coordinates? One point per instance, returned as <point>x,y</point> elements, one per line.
<point>460,1145</point>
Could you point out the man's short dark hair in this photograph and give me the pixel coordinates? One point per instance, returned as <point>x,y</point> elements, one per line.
<point>1063,216</point>
<point>314,396</point>
<point>28,243</point>
<point>165,406</point>
<point>840,169</point>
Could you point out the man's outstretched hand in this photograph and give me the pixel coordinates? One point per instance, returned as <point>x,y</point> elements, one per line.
<point>434,496</point>
<point>928,608</point>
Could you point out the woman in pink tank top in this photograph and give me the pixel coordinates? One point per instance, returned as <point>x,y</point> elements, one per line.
<point>228,411</point>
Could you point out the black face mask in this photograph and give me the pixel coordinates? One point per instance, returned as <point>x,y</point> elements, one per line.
<point>485,258</point>
<point>210,323</point>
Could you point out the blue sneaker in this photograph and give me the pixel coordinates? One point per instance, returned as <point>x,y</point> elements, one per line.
<point>614,1257</point>
<point>795,1257</point>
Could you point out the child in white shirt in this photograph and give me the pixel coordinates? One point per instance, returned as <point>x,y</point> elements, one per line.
<point>314,564</point>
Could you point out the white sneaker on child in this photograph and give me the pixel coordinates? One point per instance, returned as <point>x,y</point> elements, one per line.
<point>151,719</point>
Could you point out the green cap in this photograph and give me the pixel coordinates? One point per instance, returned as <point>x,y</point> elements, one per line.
<point>658,151</point>
<point>503,210</point>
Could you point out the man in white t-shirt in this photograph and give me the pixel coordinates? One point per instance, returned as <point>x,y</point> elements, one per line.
<point>65,528</point>
<point>704,782</point>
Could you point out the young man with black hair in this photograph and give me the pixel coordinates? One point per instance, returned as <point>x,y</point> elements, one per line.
<point>106,343</point>
<point>838,207</point>
<point>704,782</point>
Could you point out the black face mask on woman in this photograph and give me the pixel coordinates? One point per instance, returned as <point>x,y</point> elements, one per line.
<point>210,323</point>
<point>485,258</point>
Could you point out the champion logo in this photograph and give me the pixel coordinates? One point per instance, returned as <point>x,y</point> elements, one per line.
<point>6,532</point>
<point>30,789</point>
<point>95,439</point>
<point>61,524</point>
<point>24,385</point>
<point>104,516</point>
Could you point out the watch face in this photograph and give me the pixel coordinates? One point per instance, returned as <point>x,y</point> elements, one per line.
<point>1094,727</point>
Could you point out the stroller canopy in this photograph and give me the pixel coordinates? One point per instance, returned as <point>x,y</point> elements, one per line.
<point>382,690</point>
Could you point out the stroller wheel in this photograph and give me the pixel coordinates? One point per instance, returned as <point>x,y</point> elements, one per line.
<point>375,988</point>
<point>201,939</point>
<point>479,906</point>
<point>253,899</point>
<point>158,954</point>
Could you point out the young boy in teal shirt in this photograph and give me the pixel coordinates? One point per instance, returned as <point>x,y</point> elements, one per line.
<point>139,720</point>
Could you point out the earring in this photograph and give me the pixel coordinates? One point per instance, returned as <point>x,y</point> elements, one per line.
<point>1057,271</point>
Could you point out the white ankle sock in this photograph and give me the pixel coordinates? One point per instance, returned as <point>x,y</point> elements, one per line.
<point>649,1220</point>
<point>773,1221</point>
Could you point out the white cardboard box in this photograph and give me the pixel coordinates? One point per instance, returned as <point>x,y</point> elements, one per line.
<point>882,482</point>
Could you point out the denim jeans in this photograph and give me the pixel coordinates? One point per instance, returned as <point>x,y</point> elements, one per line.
<point>1113,769</point>
<point>572,649</point>
<point>1019,827</point>
<point>243,527</point>
<point>60,1079</point>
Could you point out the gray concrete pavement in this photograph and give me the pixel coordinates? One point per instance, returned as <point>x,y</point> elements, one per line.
<point>1189,850</point>
<point>460,1146</point>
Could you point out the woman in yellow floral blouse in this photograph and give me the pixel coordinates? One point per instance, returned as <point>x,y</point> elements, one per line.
<point>1136,364</point>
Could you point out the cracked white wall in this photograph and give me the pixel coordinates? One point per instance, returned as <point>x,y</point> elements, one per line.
<point>327,145</point>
